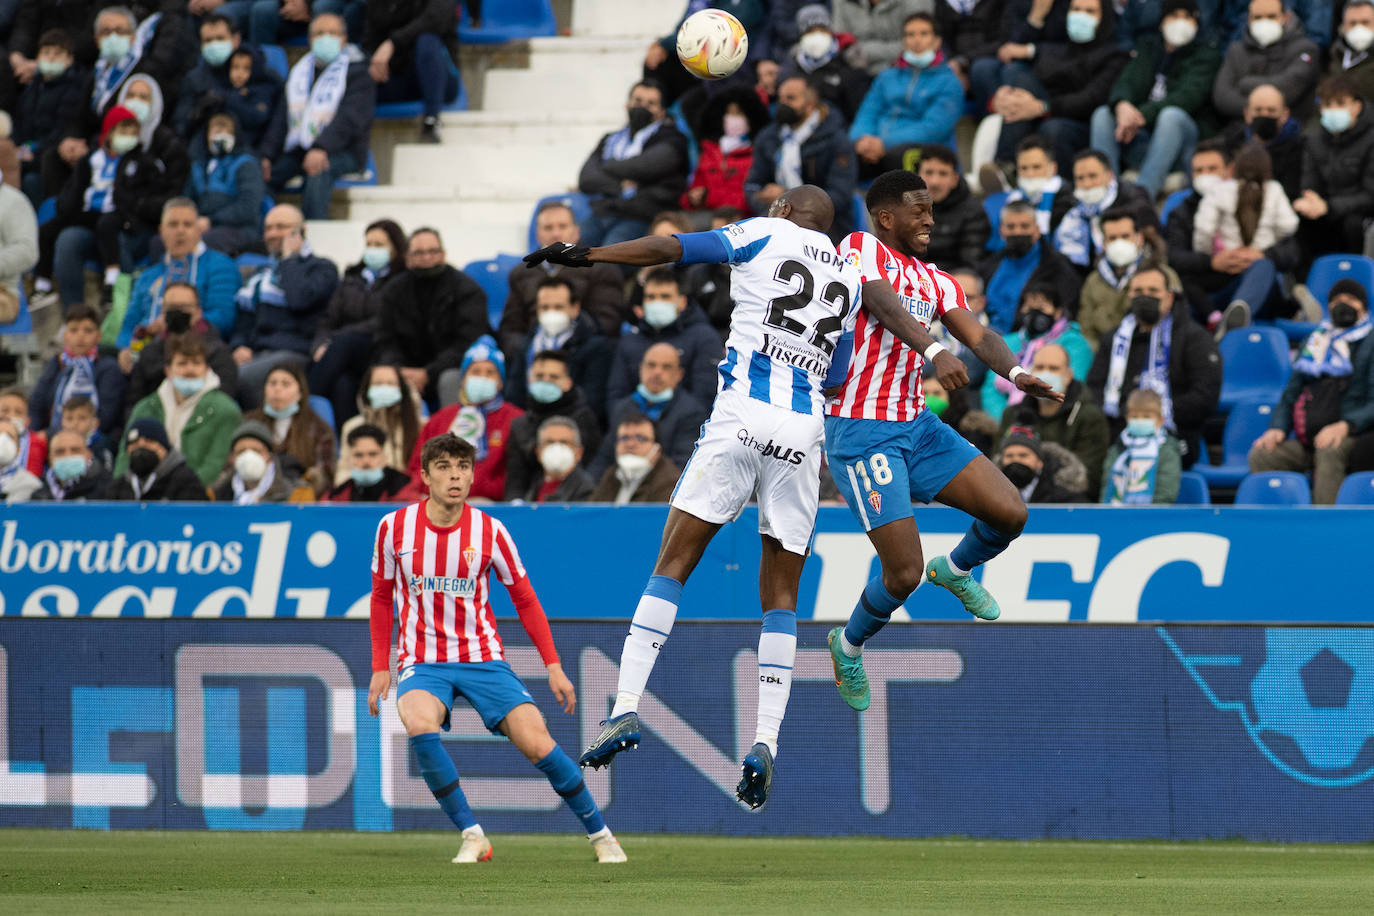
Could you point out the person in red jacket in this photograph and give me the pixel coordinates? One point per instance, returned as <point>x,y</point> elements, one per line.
<point>728,125</point>
<point>481,416</point>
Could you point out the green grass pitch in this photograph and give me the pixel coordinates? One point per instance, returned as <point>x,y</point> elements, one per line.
<point>51,871</point>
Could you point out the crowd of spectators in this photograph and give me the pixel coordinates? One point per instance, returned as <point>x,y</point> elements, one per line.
<point>1144,177</point>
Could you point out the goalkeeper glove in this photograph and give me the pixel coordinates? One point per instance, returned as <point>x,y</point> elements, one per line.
<point>565,253</point>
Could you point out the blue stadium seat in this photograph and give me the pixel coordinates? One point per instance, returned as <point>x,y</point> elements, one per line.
<point>400,111</point>
<point>1192,490</point>
<point>1173,200</point>
<point>46,210</point>
<point>860,213</point>
<point>1274,488</point>
<point>992,206</point>
<point>491,276</point>
<point>1357,490</point>
<point>1329,268</point>
<point>320,404</point>
<point>1244,424</point>
<point>1254,365</point>
<point>276,59</point>
<point>575,200</point>
<point>510,20</point>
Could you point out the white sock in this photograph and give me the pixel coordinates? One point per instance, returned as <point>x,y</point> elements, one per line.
<point>955,569</point>
<point>850,650</point>
<point>649,630</point>
<point>777,652</point>
<point>474,830</point>
<point>111,275</point>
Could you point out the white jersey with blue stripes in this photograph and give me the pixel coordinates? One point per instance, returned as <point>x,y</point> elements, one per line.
<point>794,297</point>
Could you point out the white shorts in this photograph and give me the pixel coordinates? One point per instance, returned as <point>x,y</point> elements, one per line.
<point>750,448</point>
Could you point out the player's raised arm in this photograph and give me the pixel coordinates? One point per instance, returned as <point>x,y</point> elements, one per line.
<point>993,351</point>
<point>505,562</point>
<point>381,615</point>
<point>881,301</point>
<point>641,252</point>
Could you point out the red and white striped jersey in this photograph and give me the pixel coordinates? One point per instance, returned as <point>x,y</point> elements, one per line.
<point>884,379</point>
<point>440,583</point>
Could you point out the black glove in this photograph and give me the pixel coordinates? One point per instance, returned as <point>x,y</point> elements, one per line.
<point>565,253</point>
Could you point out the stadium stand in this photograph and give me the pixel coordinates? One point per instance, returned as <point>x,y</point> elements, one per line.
<point>1255,365</point>
<point>1243,425</point>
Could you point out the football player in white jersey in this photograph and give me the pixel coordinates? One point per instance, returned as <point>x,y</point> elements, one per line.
<point>794,298</point>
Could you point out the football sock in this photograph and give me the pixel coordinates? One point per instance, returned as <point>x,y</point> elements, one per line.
<point>777,651</point>
<point>981,543</point>
<point>649,630</point>
<point>870,615</point>
<point>566,780</point>
<point>436,766</point>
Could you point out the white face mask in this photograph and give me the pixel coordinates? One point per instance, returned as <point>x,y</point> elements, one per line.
<point>1179,32</point>
<point>1205,184</point>
<point>554,322</point>
<point>1032,187</point>
<point>20,424</point>
<point>250,466</point>
<point>1266,32</point>
<point>1121,252</point>
<point>816,44</point>
<point>633,466</point>
<point>659,313</point>
<point>1359,37</point>
<point>9,449</point>
<point>1091,196</point>
<point>557,459</point>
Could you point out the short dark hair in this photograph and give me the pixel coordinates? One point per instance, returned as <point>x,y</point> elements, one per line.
<point>218,19</point>
<point>648,84</point>
<point>1035,141</point>
<point>1117,213</point>
<point>1217,145</point>
<point>81,312</point>
<point>555,282</point>
<point>889,188</point>
<point>557,356</point>
<point>192,346</point>
<point>636,418</point>
<point>1020,205</point>
<point>1158,267</point>
<point>1093,154</point>
<point>678,218</point>
<point>555,205</point>
<point>181,284</point>
<point>367,431</point>
<point>1340,86</point>
<point>735,214</point>
<point>938,153</point>
<point>925,17</point>
<point>663,275</point>
<point>55,38</point>
<point>425,230</point>
<point>78,402</point>
<point>446,445</point>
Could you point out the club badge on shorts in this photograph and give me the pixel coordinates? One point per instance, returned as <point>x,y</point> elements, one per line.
<point>875,499</point>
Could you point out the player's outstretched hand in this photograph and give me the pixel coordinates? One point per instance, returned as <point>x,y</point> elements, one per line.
<point>1037,387</point>
<point>950,370</point>
<point>565,253</point>
<point>377,690</point>
<point>562,688</point>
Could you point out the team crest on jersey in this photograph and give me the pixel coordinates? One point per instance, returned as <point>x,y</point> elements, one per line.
<point>926,288</point>
<point>875,499</point>
<point>470,556</point>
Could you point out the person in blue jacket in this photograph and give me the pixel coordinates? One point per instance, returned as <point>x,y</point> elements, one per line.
<point>917,100</point>
<point>226,184</point>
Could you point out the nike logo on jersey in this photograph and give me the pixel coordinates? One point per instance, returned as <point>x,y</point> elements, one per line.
<point>405,553</point>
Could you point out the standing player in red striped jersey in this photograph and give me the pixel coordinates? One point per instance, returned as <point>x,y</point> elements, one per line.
<point>432,559</point>
<point>885,449</point>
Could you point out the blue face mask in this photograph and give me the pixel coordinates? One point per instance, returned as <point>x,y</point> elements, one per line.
<point>216,52</point>
<point>545,392</point>
<point>479,389</point>
<point>665,395</point>
<point>375,257</point>
<point>366,477</point>
<point>69,467</point>
<point>281,413</point>
<point>1054,380</point>
<point>1140,427</point>
<point>113,47</point>
<point>380,397</point>
<point>52,69</point>
<point>659,313</point>
<point>1082,27</point>
<point>326,48</point>
<point>187,386</point>
<point>140,108</point>
<point>1337,120</point>
<point>920,60</point>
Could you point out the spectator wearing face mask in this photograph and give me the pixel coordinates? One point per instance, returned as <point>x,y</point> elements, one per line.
<point>52,98</point>
<point>817,57</point>
<point>558,477</point>
<point>20,469</point>
<point>78,416</point>
<point>1126,245</point>
<point>1144,465</point>
<point>1027,258</point>
<point>1076,423</point>
<point>1327,401</point>
<point>1038,182</point>
<point>303,440</point>
<point>1275,51</point>
<point>227,188</point>
<point>370,478</point>
<point>229,77</point>
<point>1267,120</point>
<point>729,124</point>
<point>255,473</point>
<point>877,28</point>
<point>1337,172</point>
<point>561,325</point>
<point>1096,190</point>
<point>552,394</point>
<point>1350,51</point>
<point>667,316</point>
<point>156,472</point>
<point>74,475</point>
<point>181,315</point>
<point>1040,321</point>
<point>641,472</point>
<point>195,415</point>
<point>387,403</point>
<point>481,416</point>
<point>677,415</point>
<point>1211,165</point>
<point>1025,462</point>
<point>79,369</point>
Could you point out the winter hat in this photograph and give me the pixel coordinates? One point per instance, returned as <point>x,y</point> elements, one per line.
<point>812,15</point>
<point>253,429</point>
<point>1349,287</point>
<point>484,348</point>
<point>150,429</point>
<point>115,116</point>
<point>1021,435</point>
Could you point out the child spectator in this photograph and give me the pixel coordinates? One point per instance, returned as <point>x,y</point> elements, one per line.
<point>157,173</point>
<point>19,478</point>
<point>729,124</point>
<point>32,444</point>
<point>255,473</point>
<point>369,478</point>
<point>1143,466</point>
<point>45,107</point>
<point>80,369</point>
<point>79,416</point>
<point>304,441</point>
<point>388,403</point>
<point>227,187</point>
<point>229,77</point>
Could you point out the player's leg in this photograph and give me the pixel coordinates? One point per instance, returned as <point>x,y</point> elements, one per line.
<point>423,714</point>
<point>984,492</point>
<point>526,729</point>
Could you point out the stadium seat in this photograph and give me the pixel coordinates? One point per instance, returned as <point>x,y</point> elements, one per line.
<point>1173,200</point>
<point>575,200</point>
<point>320,404</point>
<point>510,20</point>
<point>1274,488</point>
<point>400,111</point>
<point>992,206</point>
<point>1254,365</point>
<point>46,210</point>
<point>1329,268</point>
<point>860,213</point>
<point>1192,490</point>
<point>276,59</point>
<point>491,276</point>
<point>1246,422</point>
<point>1357,490</point>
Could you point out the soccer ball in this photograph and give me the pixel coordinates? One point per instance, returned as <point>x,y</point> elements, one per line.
<point>712,44</point>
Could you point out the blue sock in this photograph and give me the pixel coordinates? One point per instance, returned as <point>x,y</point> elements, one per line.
<point>436,766</point>
<point>981,543</point>
<point>566,780</point>
<point>872,613</point>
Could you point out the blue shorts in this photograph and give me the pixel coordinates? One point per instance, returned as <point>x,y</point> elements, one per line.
<point>491,688</point>
<point>881,466</point>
